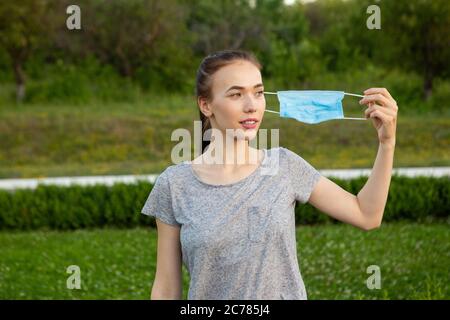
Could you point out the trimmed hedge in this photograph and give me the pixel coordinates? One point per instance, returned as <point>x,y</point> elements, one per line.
<point>420,199</point>
<point>74,207</point>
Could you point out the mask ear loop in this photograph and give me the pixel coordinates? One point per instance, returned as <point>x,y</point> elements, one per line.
<point>268,92</point>
<point>348,94</point>
<point>355,95</point>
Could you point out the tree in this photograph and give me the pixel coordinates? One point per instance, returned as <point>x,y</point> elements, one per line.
<point>124,34</point>
<point>419,36</point>
<point>340,29</point>
<point>223,24</point>
<point>24,27</point>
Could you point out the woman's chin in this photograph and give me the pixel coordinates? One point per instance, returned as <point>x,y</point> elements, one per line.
<point>248,135</point>
<point>243,134</point>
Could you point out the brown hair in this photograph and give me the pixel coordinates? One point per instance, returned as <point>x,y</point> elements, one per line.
<point>207,68</point>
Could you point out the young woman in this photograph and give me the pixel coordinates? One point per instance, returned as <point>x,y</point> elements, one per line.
<point>232,223</point>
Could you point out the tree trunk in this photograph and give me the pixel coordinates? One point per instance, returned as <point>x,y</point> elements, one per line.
<point>428,84</point>
<point>20,81</point>
<point>429,74</point>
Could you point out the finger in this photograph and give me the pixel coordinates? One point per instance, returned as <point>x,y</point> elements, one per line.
<point>383,91</point>
<point>376,97</point>
<point>384,117</point>
<point>374,107</point>
<point>369,110</point>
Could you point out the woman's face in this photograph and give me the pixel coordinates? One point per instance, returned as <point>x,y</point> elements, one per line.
<point>237,92</point>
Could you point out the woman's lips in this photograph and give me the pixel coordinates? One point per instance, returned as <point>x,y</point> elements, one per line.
<point>249,125</point>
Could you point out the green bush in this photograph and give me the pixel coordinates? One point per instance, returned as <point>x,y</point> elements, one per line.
<point>82,83</point>
<point>440,96</point>
<point>77,207</point>
<point>417,199</point>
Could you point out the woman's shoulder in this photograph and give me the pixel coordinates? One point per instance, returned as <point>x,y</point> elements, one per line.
<point>173,173</point>
<point>279,149</point>
<point>284,156</point>
<point>287,153</point>
<point>277,152</point>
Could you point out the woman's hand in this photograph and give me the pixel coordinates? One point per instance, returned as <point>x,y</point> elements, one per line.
<point>382,109</point>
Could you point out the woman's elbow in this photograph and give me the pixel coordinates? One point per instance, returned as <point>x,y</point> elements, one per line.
<point>371,225</point>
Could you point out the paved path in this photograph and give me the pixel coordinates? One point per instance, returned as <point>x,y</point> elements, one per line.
<point>11,184</point>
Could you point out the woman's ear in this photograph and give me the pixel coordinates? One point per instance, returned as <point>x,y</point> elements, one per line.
<point>204,106</point>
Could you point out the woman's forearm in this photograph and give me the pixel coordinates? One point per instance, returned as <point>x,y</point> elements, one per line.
<point>373,196</point>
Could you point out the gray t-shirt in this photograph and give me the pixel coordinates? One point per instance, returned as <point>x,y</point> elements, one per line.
<point>238,240</point>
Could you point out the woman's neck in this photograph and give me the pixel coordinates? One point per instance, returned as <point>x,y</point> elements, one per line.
<point>230,156</point>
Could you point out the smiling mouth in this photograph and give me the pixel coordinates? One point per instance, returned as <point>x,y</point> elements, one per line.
<point>249,125</point>
<point>252,121</point>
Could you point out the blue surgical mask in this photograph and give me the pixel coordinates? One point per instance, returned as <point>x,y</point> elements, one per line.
<point>312,106</point>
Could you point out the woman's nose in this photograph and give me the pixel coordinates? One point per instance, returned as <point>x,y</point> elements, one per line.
<point>250,105</point>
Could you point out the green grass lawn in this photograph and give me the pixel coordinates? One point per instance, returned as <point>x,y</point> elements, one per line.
<point>134,138</point>
<point>120,264</point>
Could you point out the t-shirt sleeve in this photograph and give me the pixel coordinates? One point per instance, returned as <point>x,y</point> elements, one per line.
<point>159,201</point>
<point>303,176</point>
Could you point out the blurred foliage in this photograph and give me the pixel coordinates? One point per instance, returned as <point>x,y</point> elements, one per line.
<point>104,99</point>
<point>156,46</point>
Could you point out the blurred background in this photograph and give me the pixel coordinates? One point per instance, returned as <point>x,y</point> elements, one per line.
<point>104,100</point>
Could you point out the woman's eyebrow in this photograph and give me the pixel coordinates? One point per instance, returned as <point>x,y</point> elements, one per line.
<point>239,87</point>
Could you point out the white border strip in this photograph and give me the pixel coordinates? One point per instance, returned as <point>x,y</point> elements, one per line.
<point>11,184</point>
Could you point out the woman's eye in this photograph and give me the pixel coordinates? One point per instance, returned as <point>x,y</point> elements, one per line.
<point>259,93</point>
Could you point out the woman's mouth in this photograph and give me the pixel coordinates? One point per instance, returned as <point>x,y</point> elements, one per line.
<point>249,123</point>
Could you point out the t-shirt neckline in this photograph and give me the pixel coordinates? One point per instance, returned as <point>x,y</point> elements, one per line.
<point>189,163</point>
